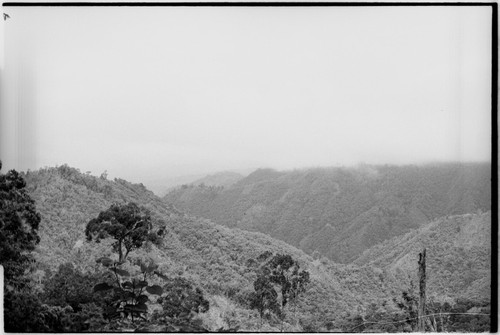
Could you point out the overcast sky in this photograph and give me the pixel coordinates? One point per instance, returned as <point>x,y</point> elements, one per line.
<point>150,93</point>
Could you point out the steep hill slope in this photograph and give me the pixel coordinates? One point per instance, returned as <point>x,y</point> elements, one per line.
<point>341,212</point>
<point>458,255</point>
<point>212,256</point>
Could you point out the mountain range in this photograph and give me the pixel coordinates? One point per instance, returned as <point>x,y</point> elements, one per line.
<point>341,212</point>
<point>417,207</point>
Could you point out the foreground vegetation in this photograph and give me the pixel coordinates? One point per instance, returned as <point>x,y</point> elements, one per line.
<point>100,255</point>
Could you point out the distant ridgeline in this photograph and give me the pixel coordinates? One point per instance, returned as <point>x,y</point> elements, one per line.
<point>341,212</point>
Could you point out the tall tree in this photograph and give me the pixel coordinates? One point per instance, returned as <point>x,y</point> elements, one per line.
<point>264,298</point>
<point>279,272</point>
<point>285,272</point>
<point>19,223</point>
<point>130,225</point>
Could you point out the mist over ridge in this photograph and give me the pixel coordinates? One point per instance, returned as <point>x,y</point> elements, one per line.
<point>340,211</point>
<point>161,184</point>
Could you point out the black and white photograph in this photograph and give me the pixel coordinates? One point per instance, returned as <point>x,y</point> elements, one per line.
<point>291,167</point>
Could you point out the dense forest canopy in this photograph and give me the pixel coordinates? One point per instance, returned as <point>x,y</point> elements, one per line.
<point>340,212</point>
<point>189,273</point>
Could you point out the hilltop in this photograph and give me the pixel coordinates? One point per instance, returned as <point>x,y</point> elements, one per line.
<point>161,186</point>
<point>223,179</point>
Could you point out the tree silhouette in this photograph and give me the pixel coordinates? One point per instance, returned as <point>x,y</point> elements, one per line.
<point>130,225</point>
<point>285,272</point>
<point>19,222</point>
<point>279,272</point>
<point>264,298</point>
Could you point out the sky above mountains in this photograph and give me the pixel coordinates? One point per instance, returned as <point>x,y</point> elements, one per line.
<point>147,93</point>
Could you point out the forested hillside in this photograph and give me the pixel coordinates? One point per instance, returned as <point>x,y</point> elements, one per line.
<point>340,212</point>
<point>217,259</point>
<point>459,255</point>
<point>204,276</point>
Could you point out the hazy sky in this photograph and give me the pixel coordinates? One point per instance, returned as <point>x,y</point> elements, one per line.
<point>148,93</point>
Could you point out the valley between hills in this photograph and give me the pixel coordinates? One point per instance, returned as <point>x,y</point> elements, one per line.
<point>357,232</point>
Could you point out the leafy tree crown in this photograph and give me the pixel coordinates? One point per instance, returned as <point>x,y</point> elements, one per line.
<point>129,224</point>
<point>19,223</point>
